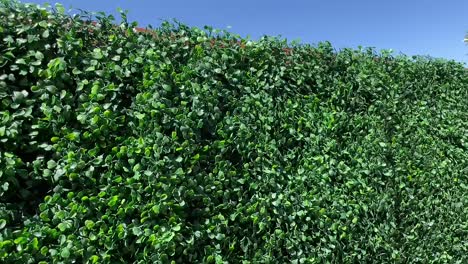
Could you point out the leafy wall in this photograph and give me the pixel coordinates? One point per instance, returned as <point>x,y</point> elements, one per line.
<point>188,145</point>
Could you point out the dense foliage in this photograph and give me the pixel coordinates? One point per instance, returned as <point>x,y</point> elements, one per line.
<point>189,145</point>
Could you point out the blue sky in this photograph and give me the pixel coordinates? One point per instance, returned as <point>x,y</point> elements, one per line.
<point>413,27</point>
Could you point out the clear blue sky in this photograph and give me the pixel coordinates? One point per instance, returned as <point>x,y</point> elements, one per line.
<point>430,27</point>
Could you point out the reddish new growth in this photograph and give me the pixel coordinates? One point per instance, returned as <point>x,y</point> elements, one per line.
<point>212,42</point>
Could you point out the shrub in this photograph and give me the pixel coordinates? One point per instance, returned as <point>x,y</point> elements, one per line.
<point>184,145</point>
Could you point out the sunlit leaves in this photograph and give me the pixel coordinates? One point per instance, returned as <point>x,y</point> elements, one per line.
<point>190,145</point>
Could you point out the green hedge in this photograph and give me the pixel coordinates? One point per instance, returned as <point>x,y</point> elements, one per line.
<point>190,145</point>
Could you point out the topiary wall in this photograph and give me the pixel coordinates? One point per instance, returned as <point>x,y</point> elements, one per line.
<point>186,145</point>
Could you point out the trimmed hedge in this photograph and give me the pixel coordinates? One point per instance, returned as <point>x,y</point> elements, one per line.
<point>186,145</point>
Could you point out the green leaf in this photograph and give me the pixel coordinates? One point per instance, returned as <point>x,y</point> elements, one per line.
<point>43,24</point>
<point>94,259</point>
<point>156,209</point>
<point>44,250</point>
<point>65,253</point>
<point>60,8</point>
<point>167,87</point>
<point>21,240</point>
<point>74,136</point>
<point>20,61</point>
<point>2,223</point>
<point>136,231</point>
<point>35,243</point>
<point>51,164</point>
<point>97,54</point>
<point>39,55</point>
<point>89,224</point>
<point>113,201</point>
<point>63,226</point>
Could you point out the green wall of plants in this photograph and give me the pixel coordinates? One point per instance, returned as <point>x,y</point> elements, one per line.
<point>197,146</point>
